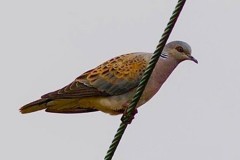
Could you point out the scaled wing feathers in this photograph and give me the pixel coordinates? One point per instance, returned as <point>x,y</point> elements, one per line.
<point>114,77</point>
<point>118,75</point>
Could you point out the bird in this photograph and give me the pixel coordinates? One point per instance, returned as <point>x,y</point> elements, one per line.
<point>110,86</point>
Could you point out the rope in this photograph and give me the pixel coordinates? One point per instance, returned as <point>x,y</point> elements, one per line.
<point>157,53</point>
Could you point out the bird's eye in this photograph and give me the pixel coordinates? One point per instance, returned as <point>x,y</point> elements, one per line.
<point>179,49</point>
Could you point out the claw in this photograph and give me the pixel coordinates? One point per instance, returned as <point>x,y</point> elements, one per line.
<point>127,118</point>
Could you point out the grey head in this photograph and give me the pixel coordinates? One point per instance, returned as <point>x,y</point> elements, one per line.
<point>180,51</point>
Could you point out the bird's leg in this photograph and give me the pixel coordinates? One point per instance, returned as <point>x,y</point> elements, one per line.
<point>127,118</point>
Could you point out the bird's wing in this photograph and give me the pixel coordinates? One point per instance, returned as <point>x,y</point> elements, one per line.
<point>114,77</point>
<point>74,90</point>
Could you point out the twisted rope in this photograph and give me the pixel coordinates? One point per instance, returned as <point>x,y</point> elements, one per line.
<point>157,53</point>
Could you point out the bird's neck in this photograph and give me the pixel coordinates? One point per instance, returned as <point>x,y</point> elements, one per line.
<point>161,72</point>
<point>164,68</point>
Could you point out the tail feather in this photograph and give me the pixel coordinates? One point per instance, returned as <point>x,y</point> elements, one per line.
<point>35,106</point>
<point>55,106</point>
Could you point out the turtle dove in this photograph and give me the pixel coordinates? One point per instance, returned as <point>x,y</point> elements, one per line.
<point>110,86</point>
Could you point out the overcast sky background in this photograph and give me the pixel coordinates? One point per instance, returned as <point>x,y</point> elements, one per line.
<point>46,44</point>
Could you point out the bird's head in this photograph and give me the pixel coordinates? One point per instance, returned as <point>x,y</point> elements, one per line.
<point>180,51</point>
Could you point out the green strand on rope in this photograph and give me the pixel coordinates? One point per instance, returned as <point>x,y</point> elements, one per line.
<point>130,111</point>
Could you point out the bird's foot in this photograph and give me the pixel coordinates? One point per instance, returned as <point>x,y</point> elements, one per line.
<point>127,118</point>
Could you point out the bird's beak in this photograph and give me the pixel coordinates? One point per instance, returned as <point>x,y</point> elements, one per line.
<point>193,59</point>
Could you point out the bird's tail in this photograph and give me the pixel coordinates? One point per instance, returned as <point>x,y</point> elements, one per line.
<point>35,106</point>
<point>56,106</point>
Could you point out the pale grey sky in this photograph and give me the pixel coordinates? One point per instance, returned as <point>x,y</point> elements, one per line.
<point>46,44</point>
